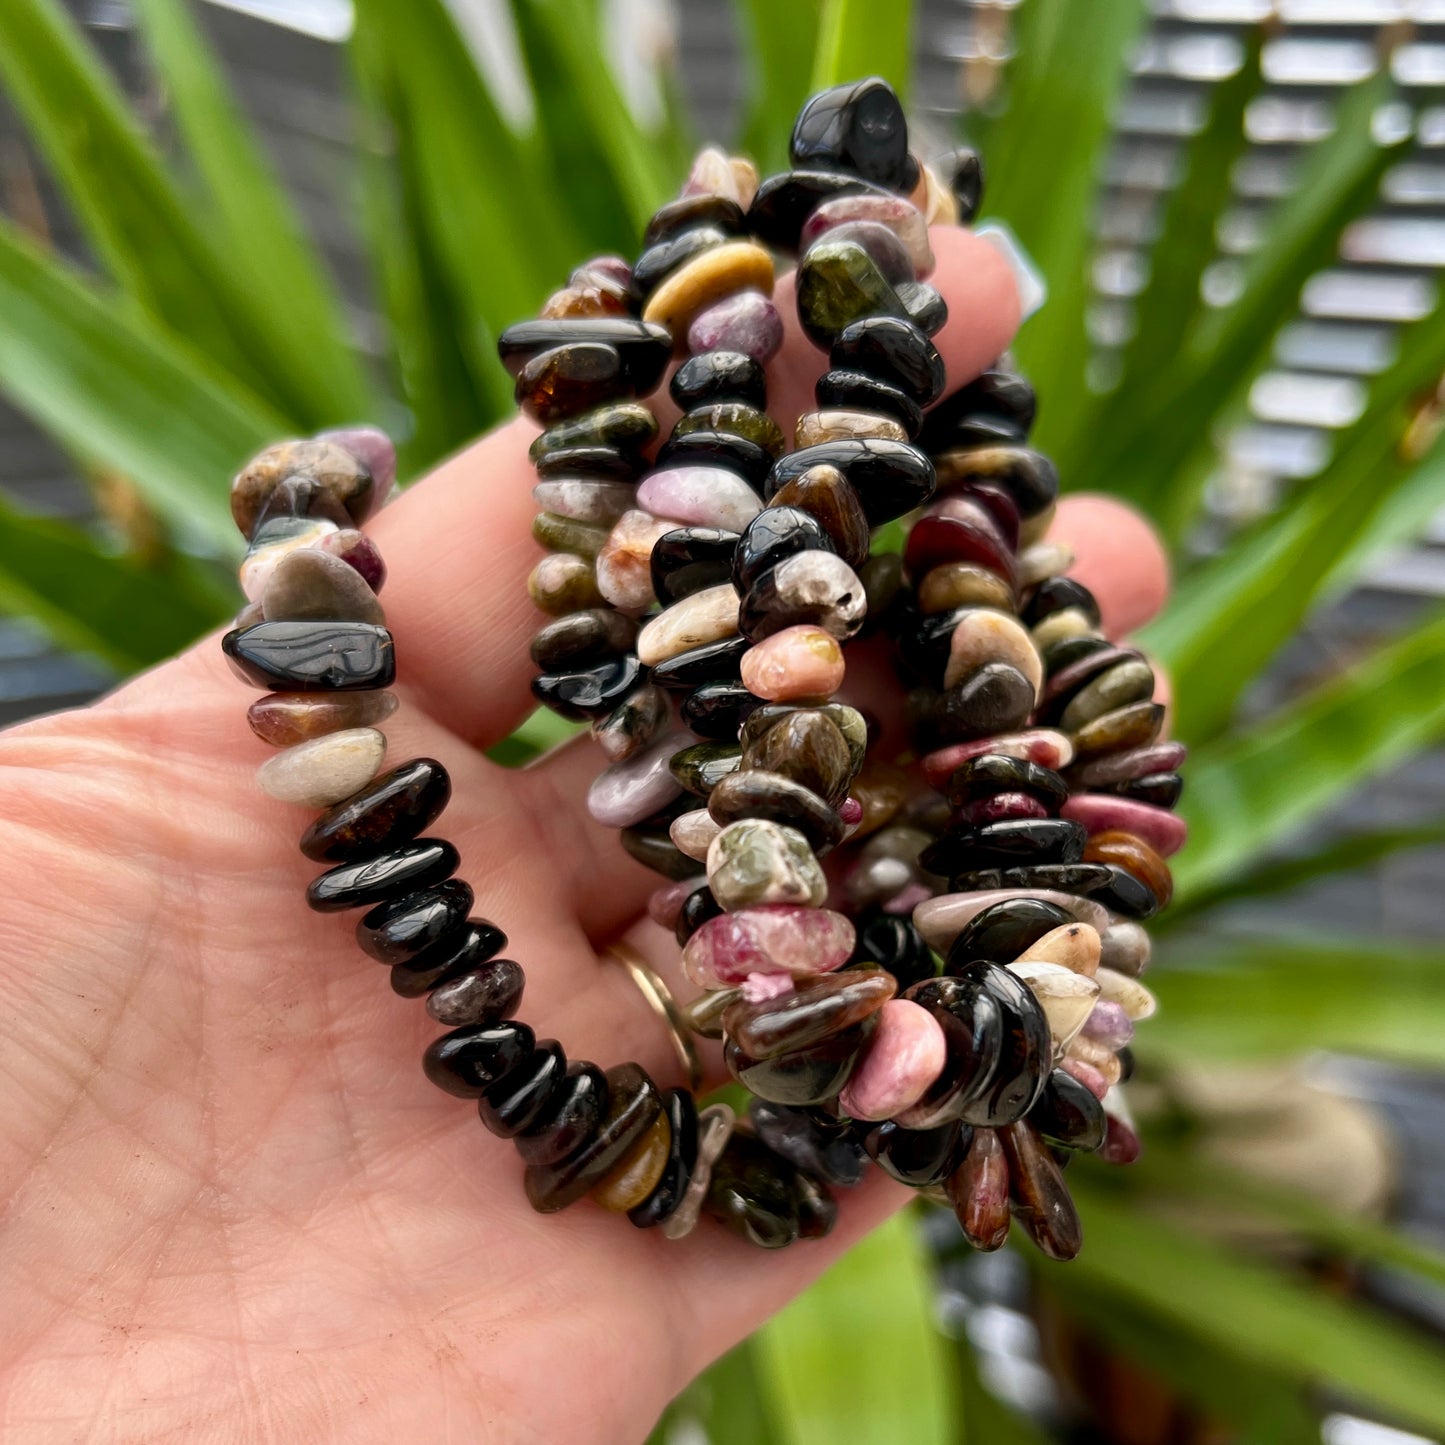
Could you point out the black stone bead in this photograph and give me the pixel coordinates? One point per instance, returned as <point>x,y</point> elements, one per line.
<point>688,212</point>
<point>689,559</point>
<point>751,1193</point>
<point>1068,1114</point>
<point>925,306</point>
<point>890,477</point>
<point>466,1062</point>
<point>579,639</point>
<point>967,184</point>
<point>891,941</point>
<point>923,639</point>
<point>714,376</point>
<point>391,809</point>
<point>398,930</point>
<point>455,954</point>
<point>401,871</point>
<point>1024,1064</point>
<point>1127,895</point>
<point>716,710</point>
<point>645,348</point>
<point>1004,930</point>
<point>594,463</point>
<point>857,128</point>
<point>662,1203</point>
<point>653,848</point>
<point>662,258</point>
<point>312,656</point>
<point>1029,477</point>
<point>485,993</point>
<point>804,1076</point>
<point>570,1117</point>
<point>700,767</point>
<point>1079,878</point>
<point>1163,790</point>
<point>975,1028</point>
<point>918,1158</point>
<point>523,1095</point>
<point>713,662</point>
<point>1015,842</point>
<point>1055,594</point>
<point>588,692</point>
<point>857,391</point>
<point>1000,402</point>
<point>717,449</point>
<point>984,777</point>
<point>697,908</point>
<point>775,533</point>
<point>996,698</point>
<point>1127,1064</point>
<point>811,1140</point>
<point>1069,650</point>
<point>783,202</point>
<point>896,352</point>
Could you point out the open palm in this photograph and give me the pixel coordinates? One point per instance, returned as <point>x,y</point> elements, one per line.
<point>231,1206</point>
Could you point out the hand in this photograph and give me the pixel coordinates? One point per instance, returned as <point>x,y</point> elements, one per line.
<point>233,1207</point>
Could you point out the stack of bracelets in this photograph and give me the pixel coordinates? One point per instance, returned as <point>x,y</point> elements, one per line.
<point>700,605</point>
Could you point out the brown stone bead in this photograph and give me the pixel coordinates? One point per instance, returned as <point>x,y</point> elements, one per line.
<point>848,720</point>
<point>882,789</point>
<point>1135,856</point>
<point>583,637</point>
<point>284,719</point>
<point>817,1009</point>
<point>1134,726</point>
<point>964,584</point>
<point>716,273</point>
<point>806,747</point>
<point>738,418</point>
<point>823,492</point>
<point>593,299</point>
<point>979,1192</point>
<point>834,424</point>
<point>1128,682</point>
<point>312,585</point>
<point>637,1175</point>
<point>559,383</point>
<point>704,1014</point>
<point>333,471</point>
<point>389,811</point>
<point>564,583</point>
<point>1041,1199</point>
<point>760,794</point>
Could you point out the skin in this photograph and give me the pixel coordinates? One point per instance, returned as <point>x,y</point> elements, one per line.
<point>231,1206</point>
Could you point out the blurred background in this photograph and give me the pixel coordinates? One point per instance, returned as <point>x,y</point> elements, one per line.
<point>221,223</point>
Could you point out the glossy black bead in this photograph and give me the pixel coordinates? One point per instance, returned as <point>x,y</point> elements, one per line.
<point>975,1033</point>
<point>697,908</point>
<point>1069,650</point>
<point>1163,790</point>
<point>651,846</point>
<point>583,638</point>
<point>924,304</point>
<point>716,710</point>
<point>588,692</point>
<point>714,376</point>
<point>1027,1055</point>
<point>401,871</point>
<point>391,809</point>
<point>1068,1114</point>
<point>1080,878</point>
<point>859,128</point>
<point>312,656</point>
<point>1127,895</point>
<point>487,991</point>
<point>645,348</point>
<point>890,477</point>
<point>465,950</point>
<point>661,1204</point>
<point>775,533</point>
<point>857,391</point>
<point>689,559</point>
<point>923,640</point>
<point>891,941</point>
<point>1127,1064</point>
<point>719,449</point>
<point>966,183</point>
<point>520,1097</point>
<point>996,698</point>
<point>811,1140</point>
<point>1055,594</point>
<point>466,1062</point>
<point>805,1076</point>
<point>751,1193</point>
<point>783,202</point>
<point>600,464</point>
<point>1014,843</point>
<point>983,777</point>
<point>1000,401</point>
<point>570,1117</point>
<point>397,931</point>
<point>918,1158</point>
<point>896,352</point>
<point>559,384</point>
<point>713,662</point>
<point>662,258</point>
<point>689,212</point>
<point>1002,931</point>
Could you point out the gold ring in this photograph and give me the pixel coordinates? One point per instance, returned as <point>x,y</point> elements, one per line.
<point>664,1005</point>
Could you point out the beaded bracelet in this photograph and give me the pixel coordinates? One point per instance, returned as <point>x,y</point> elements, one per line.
<point>733,769</point>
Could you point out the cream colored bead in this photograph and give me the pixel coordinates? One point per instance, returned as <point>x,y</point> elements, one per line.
<point>707,616</point>
<point>826,426</point>
<point>1042,561</point>
<point>712,175</point>
<point>1132,996</point>
<point>1067,998</point>
<point>325,770</point>
<point>693,833</point>
<point>1058,626</point>
<point>734,266</point>
<point>963,584</point>
<point>983,636</point>
<point>746,178</point>
<point>1074,946</point>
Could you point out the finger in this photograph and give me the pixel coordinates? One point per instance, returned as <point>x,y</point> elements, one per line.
<point>1117,555</point>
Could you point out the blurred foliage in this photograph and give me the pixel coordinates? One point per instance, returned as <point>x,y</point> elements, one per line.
<point>207,323</point>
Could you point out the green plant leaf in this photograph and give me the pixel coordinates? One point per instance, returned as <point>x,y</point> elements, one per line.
<point>727,1402</point>
<point>856,1357</point>
<point>263,232</point>
<point>97,601</point>
<point>859,38</point>
<point>123,394</point>
<point>1258,1315</point>
<point>1249,790</point>
<point>781,41</point>
<point>540,733</point>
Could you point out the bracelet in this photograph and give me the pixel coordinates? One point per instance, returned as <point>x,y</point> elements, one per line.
<point>701,602</point>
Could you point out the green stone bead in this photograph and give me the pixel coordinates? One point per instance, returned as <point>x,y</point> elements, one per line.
<point>807,747</point>
<point>703,766</point>
<point>840,283</point>
<point>756,862</point>
<point>563,583</point>
<point>738,418</point>
<point>1134,726</point>
<point>563,534</point>
<point>627,424</point>
<point>1127,682</point>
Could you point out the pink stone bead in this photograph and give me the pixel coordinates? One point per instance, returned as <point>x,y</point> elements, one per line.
<point>374,450</point>
<point>700,497</point>
<point>798,662</point>
<point>1000,808</point>
<point>747,322</point>
<point>908,898</point>
<point>1044,746</point>
<point>1162,830</point>
<point>760,987</point>
<point>1087,1075</point>
<point>636,788</point>
<point>905,1055</point>
<point>357,550</point>
<point>624,565</point>
<point>1109,1025</point>
<point>773,938</point>
<point>901,217</point>
<point>664,905</point>
<point>851,812</point>
<point>611,268</point>
<point>1121,1143</point>
<point>940,920</point>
